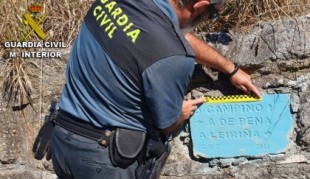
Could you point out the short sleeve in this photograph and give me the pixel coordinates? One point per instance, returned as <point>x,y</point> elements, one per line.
<point>165,83</point>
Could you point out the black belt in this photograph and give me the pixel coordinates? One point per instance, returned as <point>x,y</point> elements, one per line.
<point>84,129</point>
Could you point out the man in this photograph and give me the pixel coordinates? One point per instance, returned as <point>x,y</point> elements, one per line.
<point>126,76</point>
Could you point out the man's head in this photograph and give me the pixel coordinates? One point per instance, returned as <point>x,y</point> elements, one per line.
<point>192,12</point>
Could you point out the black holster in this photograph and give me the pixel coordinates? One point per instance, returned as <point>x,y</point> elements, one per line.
<point>41,144</point>
<point>156,155</point>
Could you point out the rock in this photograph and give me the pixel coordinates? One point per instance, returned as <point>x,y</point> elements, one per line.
<point>297,158</point>
<point>26,173</point>
<point>278,40</point>
<point>295,102</point>
<point>305,120</point>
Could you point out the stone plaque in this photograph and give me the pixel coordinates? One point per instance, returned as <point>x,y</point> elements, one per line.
<point>242,128</point>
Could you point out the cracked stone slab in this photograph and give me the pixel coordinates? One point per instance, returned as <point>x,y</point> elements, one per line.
<point>242,128</point>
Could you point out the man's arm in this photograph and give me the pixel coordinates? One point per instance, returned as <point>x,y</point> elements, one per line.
<point>208,56</point>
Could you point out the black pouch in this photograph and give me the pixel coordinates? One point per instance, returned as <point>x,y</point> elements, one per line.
<point>125,146</point>
<point>41,144</point>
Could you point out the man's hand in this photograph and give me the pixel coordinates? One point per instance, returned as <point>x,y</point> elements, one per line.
<point>188,108</point>
<point>243,81</point>
<point>208,56</point>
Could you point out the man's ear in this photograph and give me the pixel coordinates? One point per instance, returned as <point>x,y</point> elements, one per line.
<point>200,6</point>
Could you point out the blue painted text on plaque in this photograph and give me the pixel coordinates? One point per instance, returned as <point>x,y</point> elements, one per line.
<point>242,129</point>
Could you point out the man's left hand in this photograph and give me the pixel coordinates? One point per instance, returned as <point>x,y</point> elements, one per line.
<point>242,81</point>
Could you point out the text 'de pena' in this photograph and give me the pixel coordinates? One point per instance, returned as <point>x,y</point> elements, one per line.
<point>242,129</point>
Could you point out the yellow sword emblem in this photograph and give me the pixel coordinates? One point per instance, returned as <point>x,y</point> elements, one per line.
<point>35,26</point>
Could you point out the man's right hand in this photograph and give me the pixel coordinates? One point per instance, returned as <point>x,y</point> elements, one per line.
<point>242,81</point>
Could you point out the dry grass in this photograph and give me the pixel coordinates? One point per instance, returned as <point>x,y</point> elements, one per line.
<point>61,24</point>
<point>243,14</point>
<point>16,83</point>
<point>65,16</point>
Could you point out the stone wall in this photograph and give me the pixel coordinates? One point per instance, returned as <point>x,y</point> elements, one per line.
<point>276,54</point>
